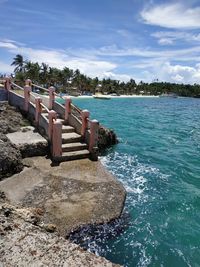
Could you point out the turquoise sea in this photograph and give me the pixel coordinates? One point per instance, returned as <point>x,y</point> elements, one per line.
<point>158,162</point>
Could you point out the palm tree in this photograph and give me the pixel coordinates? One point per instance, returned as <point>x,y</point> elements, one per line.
<point>32,71</point>
<point>44,73</point>
<point>68,75</point>
<point>18,61</point>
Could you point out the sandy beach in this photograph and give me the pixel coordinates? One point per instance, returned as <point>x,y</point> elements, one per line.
<point>110,96</point>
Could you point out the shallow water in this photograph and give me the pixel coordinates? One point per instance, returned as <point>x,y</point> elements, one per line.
<point>158,162</point>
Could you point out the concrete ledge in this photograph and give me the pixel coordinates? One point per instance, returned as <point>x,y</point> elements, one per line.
<point>71,195</point>
<point>29,142</point>
<point>24,242</point>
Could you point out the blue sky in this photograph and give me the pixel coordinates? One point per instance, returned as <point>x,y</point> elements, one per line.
<point>121,39</point>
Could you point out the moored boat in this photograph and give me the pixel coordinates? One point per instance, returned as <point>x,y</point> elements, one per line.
<point>172,95</point>
<point>101,96</point>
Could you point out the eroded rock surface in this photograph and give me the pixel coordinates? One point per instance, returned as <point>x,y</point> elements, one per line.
<point>24,242</point>
<point>71,195</point>
<point>10,156</point>
<point>106,138</point>
<point>10,119</point>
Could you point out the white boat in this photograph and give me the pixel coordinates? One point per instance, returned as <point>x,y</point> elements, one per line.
<point>101,96</point>
<point>172,95</point>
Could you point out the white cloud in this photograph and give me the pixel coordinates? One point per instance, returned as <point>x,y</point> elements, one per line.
<point>172,15</point>
<point>148,66</point>
<point>60,59</point>
<point>5,68</point>
<point>179,73</point>
<point>165,41</point>
<point>170,37</point>
<point>178,78</point>
<point>120,77</point>
<point>185,54</point>
<point>167,72</point>
<point>8,45</point>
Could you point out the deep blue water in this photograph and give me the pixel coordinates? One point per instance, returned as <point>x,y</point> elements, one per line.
<point>158,162</point>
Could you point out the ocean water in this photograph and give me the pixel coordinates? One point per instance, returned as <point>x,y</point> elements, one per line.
<point>158,162</point>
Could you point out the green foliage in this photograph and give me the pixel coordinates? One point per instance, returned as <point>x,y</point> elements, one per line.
<point>67,80</point>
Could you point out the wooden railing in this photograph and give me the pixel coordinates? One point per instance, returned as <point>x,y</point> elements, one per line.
<point>35,104</point>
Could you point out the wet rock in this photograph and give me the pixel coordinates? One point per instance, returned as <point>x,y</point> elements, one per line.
<point>106,138</point>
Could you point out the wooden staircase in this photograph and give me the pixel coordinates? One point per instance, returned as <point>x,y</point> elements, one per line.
<point>73,146</point>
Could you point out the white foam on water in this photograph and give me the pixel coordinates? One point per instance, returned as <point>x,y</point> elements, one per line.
<point>141,182</point>
<point>135,176</point>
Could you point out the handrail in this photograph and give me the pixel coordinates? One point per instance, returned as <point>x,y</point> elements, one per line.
<point>16,85</point>
<point>40,87</point>
<point>76,108</point>
<point>76,112</point>
<point>45,107</point>
<point>45,89</point>
<point>79,119</point>
<point>32,94</point>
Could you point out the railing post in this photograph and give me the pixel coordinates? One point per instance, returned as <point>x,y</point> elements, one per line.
<point>8,84</point>
<point>67,108</point>
<point>94,133</point>
<point>28,82</point>
<point>85,115</point>
<point>57,139</point>
<point>51,96</point>
<point>38,111</point>
<point>52,117</point>
<point>27,90</point>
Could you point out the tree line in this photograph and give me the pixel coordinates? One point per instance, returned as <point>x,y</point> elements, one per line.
<point>66,79</point>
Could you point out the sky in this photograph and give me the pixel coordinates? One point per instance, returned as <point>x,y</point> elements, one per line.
<point>146,40</point>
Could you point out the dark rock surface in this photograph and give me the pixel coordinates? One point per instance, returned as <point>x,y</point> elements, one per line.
<point>10,158</point>
<point>10,119</point>
<point>106,138</point>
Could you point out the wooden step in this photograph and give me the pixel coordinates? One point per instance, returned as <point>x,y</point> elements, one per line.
<point>67,129</point>
<point>73,147</point>
<point>71,138</point>
<point>72,155</point>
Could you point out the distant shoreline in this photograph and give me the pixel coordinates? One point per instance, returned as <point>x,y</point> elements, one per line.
<point>121,96</point>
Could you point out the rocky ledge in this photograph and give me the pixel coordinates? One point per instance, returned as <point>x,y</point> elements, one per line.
<point>107,138</point>
<point>71,195</point>
<point>24,242</point>
<point>10,156</point>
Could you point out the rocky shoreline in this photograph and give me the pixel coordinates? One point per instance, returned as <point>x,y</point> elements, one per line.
<point>48,202</point>
<point>25,243</point>
<point>10,156</point>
